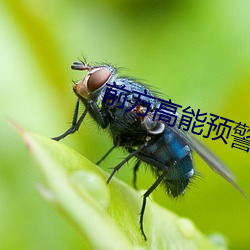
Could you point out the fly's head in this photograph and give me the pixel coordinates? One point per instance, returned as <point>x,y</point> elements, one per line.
<point>95,79</point>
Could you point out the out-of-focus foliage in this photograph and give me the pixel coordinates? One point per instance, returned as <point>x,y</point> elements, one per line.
<point>197,53</point>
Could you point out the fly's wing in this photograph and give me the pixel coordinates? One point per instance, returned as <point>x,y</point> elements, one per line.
<point>212,160</point>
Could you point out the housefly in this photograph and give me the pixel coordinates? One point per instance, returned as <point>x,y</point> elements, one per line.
<point>126,108</point>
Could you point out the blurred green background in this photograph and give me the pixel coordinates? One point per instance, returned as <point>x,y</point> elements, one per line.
<point>196,52</point>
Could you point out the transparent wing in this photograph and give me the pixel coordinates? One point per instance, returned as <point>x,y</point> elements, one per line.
<point>209,157</point>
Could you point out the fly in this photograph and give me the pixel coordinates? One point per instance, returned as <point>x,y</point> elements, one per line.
<point>114,103</point>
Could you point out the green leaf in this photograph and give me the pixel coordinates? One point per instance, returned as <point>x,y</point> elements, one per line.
<point>107,215</point>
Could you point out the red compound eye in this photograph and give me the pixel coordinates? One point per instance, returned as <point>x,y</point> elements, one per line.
<point>97,79</point>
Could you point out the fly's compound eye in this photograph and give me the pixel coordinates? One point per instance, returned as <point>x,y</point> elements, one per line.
<point>97,79</point>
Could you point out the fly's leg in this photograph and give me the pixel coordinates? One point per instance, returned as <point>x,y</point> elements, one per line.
<point>97,114</point>
<point>145,196</point>
<point>136,167</point>
<point>75,123</point>
<point>91,107</point>
<point>105,155</point>
<point>125,160</point>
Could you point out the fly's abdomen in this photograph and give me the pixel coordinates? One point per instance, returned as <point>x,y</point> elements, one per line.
<point>180,165</point>
<point>178,176</point>
<point>170,155</point>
